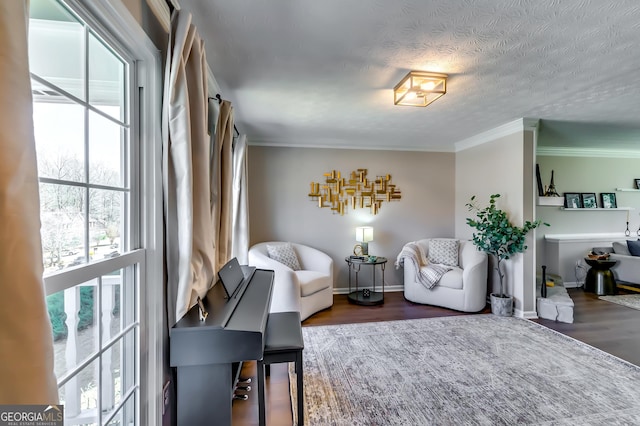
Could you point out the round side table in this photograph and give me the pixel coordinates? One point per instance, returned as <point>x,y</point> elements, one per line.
<point>600,279</point>
<point>366,296</point>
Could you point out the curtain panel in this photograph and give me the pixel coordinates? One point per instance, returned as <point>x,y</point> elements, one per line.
<point>240,223</point>
<point>222,184</point>
<point>188,234</point>
<point>197,172</point>
<point>26,343</point>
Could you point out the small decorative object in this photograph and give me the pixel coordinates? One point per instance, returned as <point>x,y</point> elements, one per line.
<point>608,200</point>
<point>637,181</point>
<point>543,284</point>
<point>551,191</point>
<point>338,193</point>
<point>598,256</point>
<point>572,200</point>
<point>588,200</point>
<point>541,191</point>
<point>364,235</point>
<point>498,237</point>
<point>366,292</point>
<point>373,259</point>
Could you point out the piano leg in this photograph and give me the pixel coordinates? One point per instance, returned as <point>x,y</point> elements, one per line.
<point>205,394</point>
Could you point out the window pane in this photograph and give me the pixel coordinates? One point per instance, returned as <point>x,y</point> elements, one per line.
<point>105,222</point>
<point>80,397</point>
<point>106,146</point>
<point>62,226</point>
<point>73,318</point>
<point>54,33</point>
<point>106,79</point>
<point>128,299</point>
<point>59,135</point>
<point>117,371</point>
<point>127,414</point>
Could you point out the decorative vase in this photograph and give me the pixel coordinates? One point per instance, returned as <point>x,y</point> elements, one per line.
<point>501,305</point>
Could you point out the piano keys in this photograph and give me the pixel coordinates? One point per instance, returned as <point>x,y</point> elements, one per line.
<point>205,352</point>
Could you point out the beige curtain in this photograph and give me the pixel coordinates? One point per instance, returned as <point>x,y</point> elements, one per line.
<point>222,184</point>
<point>26,345</point>
<point>189,242</point>
<point>240,226</point>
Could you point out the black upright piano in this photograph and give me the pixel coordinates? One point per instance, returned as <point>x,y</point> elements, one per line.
<point>207,353</point>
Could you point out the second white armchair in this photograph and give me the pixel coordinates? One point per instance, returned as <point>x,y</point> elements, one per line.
<point>463,288</point>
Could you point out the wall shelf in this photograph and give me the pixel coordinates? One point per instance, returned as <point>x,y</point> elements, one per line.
<point>598,209</point>
<point>551,201</point>
<point>627,189</point>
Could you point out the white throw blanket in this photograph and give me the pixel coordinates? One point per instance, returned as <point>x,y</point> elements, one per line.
<point>430,274</point>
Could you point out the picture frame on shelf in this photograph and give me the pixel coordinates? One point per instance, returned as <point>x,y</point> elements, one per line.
<point>608,200</point>
<point>637,182</point>
<point>589,200</point>
<point>572,200</point>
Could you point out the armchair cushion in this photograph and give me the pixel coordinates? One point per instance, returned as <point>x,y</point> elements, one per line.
<point>443,251</point>
<point>311,282</point>
<point>284,254</point>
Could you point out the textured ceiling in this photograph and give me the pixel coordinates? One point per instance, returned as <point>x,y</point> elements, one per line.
<point>321,73</point>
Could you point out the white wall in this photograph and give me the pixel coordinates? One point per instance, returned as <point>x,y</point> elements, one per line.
<point>280,209</point>
<point>586,174</point>
<point>502,166</point>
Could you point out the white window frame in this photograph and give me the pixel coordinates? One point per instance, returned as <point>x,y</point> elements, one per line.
<point>117,26</point>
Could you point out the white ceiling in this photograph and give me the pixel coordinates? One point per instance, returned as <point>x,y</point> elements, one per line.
<point>321,73</point>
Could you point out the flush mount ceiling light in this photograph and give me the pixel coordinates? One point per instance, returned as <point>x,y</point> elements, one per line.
<point>420,88</point>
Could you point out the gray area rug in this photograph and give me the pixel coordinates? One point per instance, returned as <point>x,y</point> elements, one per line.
<point>465,370</point>
<point>629,300</point>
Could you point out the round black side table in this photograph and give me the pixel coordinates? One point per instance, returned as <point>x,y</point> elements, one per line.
<point>600,279</point>
<point>366,296</point>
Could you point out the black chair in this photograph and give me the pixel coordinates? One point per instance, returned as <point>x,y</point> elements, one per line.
<point>284,343</point>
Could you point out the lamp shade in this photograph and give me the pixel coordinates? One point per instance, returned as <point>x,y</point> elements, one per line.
<point>364,234</point>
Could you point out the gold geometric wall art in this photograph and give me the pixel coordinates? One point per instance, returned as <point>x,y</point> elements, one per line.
<point>339,193</point>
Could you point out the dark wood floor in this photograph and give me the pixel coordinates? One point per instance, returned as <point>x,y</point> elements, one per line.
<point>607,326</point>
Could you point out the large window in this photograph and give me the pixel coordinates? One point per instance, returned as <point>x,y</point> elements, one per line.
<point>87,143</point>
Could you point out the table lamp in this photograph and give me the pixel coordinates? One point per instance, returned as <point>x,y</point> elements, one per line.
<point>364,234</point>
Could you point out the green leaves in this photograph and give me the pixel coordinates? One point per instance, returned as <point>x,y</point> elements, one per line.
<point>496,235</point>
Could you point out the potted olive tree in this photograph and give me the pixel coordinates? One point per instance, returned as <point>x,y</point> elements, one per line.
<point>498,237</point>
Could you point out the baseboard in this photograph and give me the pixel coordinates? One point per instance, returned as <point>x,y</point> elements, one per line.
<point>519,313</point>
<point>387,289</point>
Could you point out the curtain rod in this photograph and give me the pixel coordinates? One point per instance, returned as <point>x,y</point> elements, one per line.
<point>219,98</point>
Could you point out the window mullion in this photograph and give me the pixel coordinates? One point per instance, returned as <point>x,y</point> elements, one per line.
<point>85,74</point>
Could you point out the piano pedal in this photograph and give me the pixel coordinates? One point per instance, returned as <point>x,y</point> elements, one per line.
<point>244,381</point>
<point>243,388</point>
<point>240,397</point>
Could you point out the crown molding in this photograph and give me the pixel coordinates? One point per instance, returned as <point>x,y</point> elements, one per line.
<point>519,125</point>
<point>551,151</point>
<point>281,144</point>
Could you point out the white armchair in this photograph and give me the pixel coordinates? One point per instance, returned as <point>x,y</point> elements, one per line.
<point>464,288</point>
<point>308,290</point>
